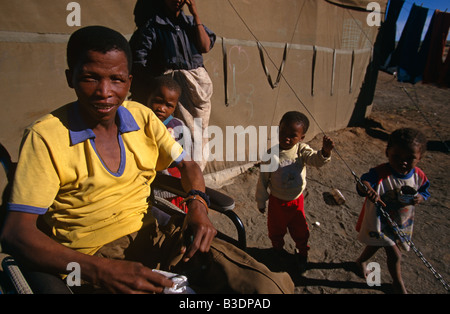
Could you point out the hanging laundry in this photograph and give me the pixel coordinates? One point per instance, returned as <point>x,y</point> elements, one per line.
<point>444,76</point>
<point>405,56</point>
<point>425,47</point>
<point>435,70</point>
<point>388,31</point>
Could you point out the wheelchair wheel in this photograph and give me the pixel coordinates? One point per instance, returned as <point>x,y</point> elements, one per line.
<point>13,278</point>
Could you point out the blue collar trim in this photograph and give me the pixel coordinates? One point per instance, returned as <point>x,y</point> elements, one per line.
<point>79,132</point>
<point>166,122</point>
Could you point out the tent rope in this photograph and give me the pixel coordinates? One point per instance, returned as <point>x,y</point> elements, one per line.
<point>225,70</point>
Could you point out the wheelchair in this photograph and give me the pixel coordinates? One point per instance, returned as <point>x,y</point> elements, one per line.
<point>12,279</point>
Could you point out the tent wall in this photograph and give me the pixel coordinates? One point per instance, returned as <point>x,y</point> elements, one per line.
<point>34,33</point>
<point>330,47</point>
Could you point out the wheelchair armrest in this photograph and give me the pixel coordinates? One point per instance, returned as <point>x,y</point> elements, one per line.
<point>219,201</point>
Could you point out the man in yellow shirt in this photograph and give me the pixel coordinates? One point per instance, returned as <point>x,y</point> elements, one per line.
<point>86,169</point>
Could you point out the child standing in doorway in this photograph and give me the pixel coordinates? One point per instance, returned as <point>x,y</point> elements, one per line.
<point>284,187</point>
<point>400,185</point>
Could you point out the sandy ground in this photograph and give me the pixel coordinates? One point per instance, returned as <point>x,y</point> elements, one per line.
<point>333,237</point>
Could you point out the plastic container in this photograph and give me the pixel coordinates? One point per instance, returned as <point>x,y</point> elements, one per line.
<point>338,196</point>
<point>406,194</point>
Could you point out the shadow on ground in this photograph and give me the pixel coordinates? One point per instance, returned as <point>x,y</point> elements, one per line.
<point>285,262</point>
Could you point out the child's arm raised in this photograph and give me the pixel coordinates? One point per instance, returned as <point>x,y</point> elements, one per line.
<point>327,146</point>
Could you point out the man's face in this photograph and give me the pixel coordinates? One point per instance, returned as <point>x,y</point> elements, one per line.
<point>101,82</point>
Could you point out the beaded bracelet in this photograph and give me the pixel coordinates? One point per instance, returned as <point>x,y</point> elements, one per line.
<point>202,194</point>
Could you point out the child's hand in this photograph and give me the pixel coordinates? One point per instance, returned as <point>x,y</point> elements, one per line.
<point>372,195</point>
<point>262,210</point>
<point>191,6</point>
<point>327,146</point>
<point>418,199</point>
<point>367,190</point>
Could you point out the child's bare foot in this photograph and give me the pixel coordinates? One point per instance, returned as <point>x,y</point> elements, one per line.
<point>361,267</point>
<point>399,287</point>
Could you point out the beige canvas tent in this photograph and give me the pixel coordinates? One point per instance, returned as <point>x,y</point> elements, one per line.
<point>329,46</point>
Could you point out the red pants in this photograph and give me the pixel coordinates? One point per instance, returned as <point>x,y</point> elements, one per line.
<point>178,201</point>
<point>288,215</point>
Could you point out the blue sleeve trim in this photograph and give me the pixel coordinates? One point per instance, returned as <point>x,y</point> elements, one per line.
<point>372,177</point>
<point>181,157</point>
<point>423,190</point>
<point>178,160</point>
<point>26,209</point>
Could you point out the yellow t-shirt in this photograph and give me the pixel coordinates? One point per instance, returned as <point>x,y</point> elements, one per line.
<point>60,175</point>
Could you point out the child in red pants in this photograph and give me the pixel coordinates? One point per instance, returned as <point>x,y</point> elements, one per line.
<point>287,183</point>
<point>288,215</point>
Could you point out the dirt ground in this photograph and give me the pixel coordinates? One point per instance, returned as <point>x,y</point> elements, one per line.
<point>332,227</point>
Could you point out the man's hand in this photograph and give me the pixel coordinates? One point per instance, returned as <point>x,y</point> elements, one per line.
<point>200,227</point>
<point>130,277</point>
<point>196,221</point>
<point>28,244</point>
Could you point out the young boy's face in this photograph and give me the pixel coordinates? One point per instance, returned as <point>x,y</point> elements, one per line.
<point>403,160</point>
<point>163,102</point>
<point>175,5</point>
<point>290,134</point>
<point>101,82</point>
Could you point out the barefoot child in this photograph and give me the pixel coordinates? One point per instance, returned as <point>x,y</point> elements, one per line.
<point>389,183</point>
<point>287,183</point>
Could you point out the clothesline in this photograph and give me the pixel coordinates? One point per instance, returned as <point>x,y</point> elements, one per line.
<point>406,10</point>
<point>418,54</point>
